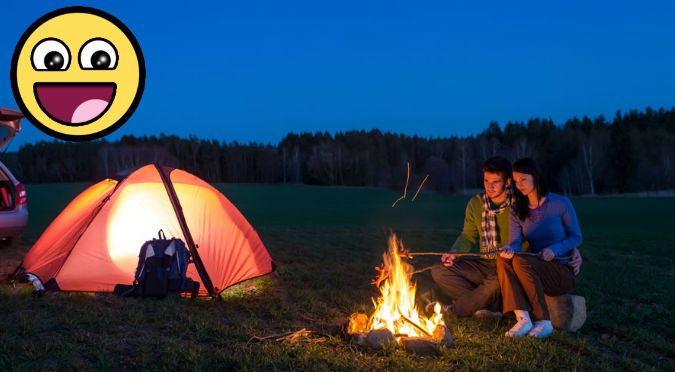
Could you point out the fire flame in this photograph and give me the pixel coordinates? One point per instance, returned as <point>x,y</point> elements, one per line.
<point>395,309</point>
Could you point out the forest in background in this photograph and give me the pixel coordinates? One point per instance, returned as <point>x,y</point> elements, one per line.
<point>633,152</point>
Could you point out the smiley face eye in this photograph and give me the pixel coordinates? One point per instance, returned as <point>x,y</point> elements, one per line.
<point>98,54</point>
<point>50,54</point>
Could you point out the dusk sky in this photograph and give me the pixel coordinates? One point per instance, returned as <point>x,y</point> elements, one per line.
<point>256,70</point>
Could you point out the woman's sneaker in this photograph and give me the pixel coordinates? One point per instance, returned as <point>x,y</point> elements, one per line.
<point>542,329</point>
<point>521,328</point>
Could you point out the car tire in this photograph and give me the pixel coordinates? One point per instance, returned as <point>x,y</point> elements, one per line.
<point>10,241</point>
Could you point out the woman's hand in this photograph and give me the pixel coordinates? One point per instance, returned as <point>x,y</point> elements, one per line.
<point>448,259</point>
<point>506,252</point>
<point>575,262</point>
<point>546,254</point>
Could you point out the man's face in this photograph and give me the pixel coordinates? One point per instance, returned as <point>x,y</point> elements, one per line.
<point>495,185</point>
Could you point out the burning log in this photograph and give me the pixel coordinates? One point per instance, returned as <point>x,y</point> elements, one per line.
<point>356,332</point>
<point>415,325</point>
<point>356,328</point>
<point>358,322</point>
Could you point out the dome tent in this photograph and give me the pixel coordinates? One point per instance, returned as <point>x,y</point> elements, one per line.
<point>94,243</point>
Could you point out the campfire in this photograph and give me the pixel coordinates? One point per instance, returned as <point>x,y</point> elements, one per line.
<point>396,317</point>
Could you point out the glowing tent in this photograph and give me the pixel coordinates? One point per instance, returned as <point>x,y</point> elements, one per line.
<point>94,243</point>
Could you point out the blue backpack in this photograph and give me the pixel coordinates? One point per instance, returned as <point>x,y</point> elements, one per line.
<point>161,269</point>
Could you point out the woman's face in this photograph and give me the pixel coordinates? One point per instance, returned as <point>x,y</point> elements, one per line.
<point>524,182</point>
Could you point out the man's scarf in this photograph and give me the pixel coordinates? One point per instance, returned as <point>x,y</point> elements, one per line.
<point>488,224</point>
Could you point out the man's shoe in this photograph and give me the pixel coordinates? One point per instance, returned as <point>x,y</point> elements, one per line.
<point>485,313</point>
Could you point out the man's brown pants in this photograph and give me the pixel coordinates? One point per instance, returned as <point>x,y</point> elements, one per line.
<point>525,279</point>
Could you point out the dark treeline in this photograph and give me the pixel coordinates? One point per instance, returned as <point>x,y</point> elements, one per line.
<point>633,152</point>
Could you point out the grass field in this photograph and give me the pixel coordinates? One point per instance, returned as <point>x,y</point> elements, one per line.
<point>326,242</point>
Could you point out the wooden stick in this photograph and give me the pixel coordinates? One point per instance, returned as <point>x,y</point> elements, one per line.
<point>460,254</point>
<point>421,270</point>
<point>415,324</point>
<point>477,254</point>
<point>405,190</point>
<point>420,188</point>
<point>456,254</point>
<point>382,278</point>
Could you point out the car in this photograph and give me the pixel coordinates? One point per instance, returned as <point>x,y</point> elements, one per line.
<point>13,202</point>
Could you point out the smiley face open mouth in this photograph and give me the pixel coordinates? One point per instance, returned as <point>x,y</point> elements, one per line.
<point>75,103</point>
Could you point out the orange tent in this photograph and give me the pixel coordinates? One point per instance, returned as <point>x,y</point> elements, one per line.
<point>94,243</point>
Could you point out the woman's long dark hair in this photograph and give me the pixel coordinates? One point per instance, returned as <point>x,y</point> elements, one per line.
<point>521,206</point>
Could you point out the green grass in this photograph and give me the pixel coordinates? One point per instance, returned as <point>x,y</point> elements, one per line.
<point>326,242</point>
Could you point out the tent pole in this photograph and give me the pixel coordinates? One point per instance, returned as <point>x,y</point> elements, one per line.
<point>186,231</point>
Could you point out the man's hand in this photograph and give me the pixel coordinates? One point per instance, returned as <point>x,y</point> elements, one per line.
<point>506,252</point>
<point>404,253</point>
<point>448,259</point>
<point>546,254</point>
<point>575,262</point>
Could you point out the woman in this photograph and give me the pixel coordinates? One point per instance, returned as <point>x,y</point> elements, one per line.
<point>549,223</point>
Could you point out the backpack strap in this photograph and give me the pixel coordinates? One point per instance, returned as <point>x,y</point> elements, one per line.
<point>183,255</point>
<point>146,252</point>
<point>129,291</point>
<point>161,234</point>
<point>170,249</point>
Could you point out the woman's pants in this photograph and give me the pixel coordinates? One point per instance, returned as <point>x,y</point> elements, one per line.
<point>525,279</point>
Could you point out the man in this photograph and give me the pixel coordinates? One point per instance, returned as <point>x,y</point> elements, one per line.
<point>472,283</point>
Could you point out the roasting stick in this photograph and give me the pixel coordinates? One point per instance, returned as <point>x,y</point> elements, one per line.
<point>410,254</point>
<point>383,275</point>
<point>422,270</point>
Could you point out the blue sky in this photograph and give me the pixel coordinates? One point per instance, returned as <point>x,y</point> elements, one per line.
<point>256,70</point>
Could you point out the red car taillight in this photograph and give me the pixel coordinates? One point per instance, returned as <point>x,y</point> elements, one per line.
<point>20,194</point>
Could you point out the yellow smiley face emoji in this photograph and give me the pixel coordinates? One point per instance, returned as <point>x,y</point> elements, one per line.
<point>78,73</point>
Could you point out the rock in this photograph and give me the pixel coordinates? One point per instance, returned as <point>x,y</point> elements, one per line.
<point>442,336</point>
<point>378,338</point>
<point>358,322</point>
<point>358,338</point>
<point>568,312</point>
<point>420,345</point>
